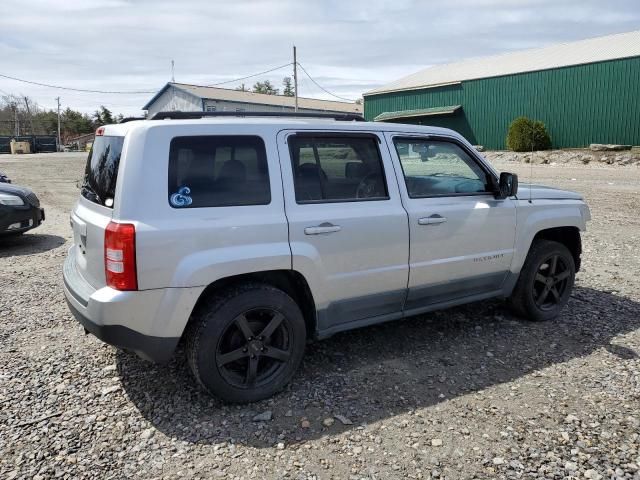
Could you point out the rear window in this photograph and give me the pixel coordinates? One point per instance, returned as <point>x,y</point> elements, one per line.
<point>101,173</point>
<point>217,171</point>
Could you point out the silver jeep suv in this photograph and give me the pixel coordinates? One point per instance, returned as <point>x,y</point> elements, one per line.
<point>250,236</point>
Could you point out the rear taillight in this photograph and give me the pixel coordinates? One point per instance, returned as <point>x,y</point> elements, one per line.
<point>120,256</point>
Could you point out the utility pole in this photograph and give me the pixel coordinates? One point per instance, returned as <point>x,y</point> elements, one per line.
<point>26,104</point>
<point>16,120</point>
<point>58,100</point>
<point>295,77</point>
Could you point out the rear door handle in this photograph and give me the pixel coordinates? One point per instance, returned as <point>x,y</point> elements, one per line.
<point>322,228</point>
<point>432,220</point>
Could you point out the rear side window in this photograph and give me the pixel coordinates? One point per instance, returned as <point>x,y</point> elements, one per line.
<point>101,172</point>
<point>337,169</point>
<point>218,171</point>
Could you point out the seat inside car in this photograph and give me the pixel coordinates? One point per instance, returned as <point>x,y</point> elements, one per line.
<point>311,179</point>
<point>232,173</point>
<point>355,170</point>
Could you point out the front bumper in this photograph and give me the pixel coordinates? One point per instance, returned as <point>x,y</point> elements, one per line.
<point>20,219</point>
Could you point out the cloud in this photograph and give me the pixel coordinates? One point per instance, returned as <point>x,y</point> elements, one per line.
<point>348,46</point>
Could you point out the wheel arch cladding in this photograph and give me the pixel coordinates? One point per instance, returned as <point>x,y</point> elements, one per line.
<point>291,282</point>
<point>568,236</point>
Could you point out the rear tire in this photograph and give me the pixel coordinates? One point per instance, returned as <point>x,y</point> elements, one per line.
<point>545,282</point>
<point>246,343</point>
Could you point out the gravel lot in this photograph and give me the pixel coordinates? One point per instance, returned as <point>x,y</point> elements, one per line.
<point>470,392</point>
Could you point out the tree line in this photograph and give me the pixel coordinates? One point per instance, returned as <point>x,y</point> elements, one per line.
<point>268,88</point>
<point>22,116</point>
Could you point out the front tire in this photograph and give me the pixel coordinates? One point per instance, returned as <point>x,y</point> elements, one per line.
<point>545,283</point>
<point>246,343</point>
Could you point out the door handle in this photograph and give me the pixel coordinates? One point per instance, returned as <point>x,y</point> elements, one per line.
<point>322,228</point>
<point>432,220</point>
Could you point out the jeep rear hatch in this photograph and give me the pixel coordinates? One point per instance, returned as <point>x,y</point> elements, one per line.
<point>94,209</point>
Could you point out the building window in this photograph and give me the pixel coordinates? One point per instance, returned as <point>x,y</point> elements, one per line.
<point>239,109</point>
<point>211,108</point>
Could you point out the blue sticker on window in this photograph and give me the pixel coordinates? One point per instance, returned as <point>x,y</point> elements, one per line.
<point>182,198</point>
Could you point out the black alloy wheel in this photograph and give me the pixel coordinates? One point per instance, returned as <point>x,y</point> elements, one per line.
<point>245,343</point>
<point>545,281</point>
<point>551,282</point>
<point>254,348</point>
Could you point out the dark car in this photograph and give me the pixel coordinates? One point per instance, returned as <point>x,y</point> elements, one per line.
<point>4,178</point>
<point>19,210</point>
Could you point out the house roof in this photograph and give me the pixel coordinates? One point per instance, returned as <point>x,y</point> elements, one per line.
<point>610,47</point>
<point>226,94</point>
<point>420,112</point>
<point>80,137</point>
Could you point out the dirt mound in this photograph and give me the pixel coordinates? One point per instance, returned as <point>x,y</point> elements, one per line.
<point>581,156</point>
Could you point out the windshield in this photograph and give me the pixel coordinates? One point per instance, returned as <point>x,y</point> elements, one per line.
<point>101,173</point>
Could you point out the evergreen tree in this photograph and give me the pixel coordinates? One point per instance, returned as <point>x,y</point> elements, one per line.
<point>287,91</point>
<point>265,87</point>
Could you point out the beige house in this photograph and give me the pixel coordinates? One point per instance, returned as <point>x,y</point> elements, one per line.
<point>196,98</point>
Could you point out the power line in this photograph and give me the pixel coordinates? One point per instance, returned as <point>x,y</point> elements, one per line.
<point>235,80</point>
<point>135,92</point>
<point>322,88</point>
<point>75,89</point>
<point>250,76</point>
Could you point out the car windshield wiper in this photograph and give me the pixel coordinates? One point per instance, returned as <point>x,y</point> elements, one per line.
<point>87,190</point>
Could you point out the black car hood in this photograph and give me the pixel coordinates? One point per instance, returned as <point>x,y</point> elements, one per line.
<point>15,189</point>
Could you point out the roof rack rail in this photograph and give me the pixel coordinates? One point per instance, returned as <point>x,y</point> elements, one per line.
<point>346,117</point>
<point>131,119</point>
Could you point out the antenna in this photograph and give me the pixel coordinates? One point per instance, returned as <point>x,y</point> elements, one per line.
<point>531,162</point>
<point>533,142</point>
<point>173,77</point>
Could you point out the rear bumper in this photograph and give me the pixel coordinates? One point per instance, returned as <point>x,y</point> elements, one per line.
<point>155,349</point>
<point>149,322</point>
<point>20,219</point>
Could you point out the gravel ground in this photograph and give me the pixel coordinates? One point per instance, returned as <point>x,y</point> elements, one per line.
<point>470,392</point>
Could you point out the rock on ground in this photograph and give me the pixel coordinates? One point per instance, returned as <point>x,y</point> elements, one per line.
<point>553,400</point>
<point>571,157</point>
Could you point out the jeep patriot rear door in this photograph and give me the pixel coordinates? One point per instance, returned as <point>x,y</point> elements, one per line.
<point>347,227</point>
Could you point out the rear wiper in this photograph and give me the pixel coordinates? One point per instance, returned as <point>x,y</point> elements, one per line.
<point>87,190</point>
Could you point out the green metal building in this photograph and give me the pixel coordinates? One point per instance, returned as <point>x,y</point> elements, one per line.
<point>585,92</point>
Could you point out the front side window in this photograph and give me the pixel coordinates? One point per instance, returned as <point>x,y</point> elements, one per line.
<point>439,168</point>
<point>217,171</point>
<point>340,168</point>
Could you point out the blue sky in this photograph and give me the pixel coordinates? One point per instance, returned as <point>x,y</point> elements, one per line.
<point>348,46</point>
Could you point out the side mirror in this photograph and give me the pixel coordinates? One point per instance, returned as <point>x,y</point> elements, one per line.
<point>508,185</point>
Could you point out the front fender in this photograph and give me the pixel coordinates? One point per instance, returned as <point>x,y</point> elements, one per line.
<point>542,215</point>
